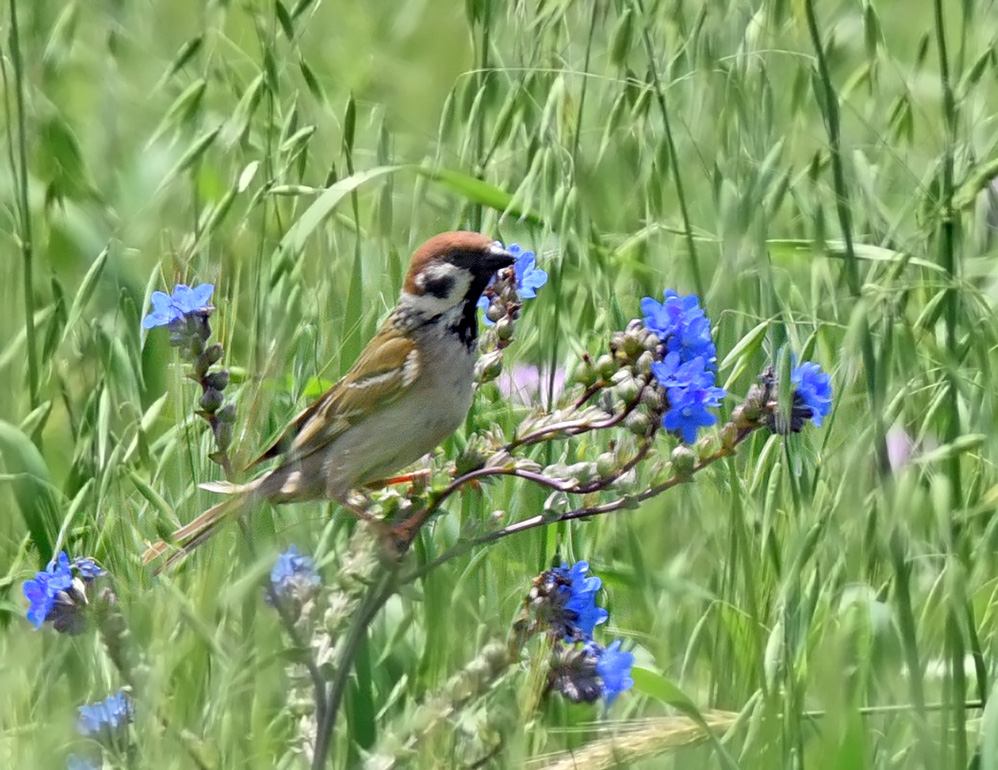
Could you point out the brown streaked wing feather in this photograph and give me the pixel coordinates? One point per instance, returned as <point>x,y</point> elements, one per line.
<point>291,430</point>
<point>385,370</point>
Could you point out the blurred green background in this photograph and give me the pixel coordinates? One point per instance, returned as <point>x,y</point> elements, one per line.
<point>839,607</point>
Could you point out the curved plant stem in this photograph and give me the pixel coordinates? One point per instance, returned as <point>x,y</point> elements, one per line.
<point>378,593</point>
<point>625,502</point>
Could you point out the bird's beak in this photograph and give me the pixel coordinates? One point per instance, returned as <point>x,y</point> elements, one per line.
<point>496,258</point>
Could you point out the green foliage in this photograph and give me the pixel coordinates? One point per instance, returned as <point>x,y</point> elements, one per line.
<point>820,173</point>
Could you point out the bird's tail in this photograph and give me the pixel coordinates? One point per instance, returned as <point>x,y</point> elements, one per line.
<point>195,532</point>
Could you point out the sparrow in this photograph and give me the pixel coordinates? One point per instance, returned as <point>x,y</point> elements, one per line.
<point>410,388</point>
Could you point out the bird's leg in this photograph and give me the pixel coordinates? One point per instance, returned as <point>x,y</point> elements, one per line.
<point>405,478</point>
<point>355,505</point>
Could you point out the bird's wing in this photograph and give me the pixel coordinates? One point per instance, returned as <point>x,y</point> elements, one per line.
<point>386,369</point>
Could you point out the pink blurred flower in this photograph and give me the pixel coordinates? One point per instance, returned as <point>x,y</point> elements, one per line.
<point>528,385</point>
<point>900,448</point>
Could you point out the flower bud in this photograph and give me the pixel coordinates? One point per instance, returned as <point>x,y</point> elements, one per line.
<point>223,435</point>
<point>606,366</point>
<point>212,354</point>
<point>644,362</point>
<point>489,366</point>
<point>497,655</point>
<point>218,380</point>
<point>211,400</point>
<point>653,397</point>
<point>495,311</point>
<point>755,401</point>
<point>633,345</point>
<point>505,328</point>
<point>606,464</point>
<point>729,435</point>
<point>227,413</point>
<point>638,423</point>
<point>584,373</point>
<point>683,461</point>
<point>479,672</point>
<point>627,388</point>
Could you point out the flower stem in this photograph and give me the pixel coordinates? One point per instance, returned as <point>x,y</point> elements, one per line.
<point>377,595</point>
<point>21,176</point>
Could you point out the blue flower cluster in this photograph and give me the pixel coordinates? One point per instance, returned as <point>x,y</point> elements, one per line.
<point>812,391</point>
<point>577,614</point>
<point>598,671</point>
<point>614,669</point>
<point>52,585</point>
<point>168,308</point>
<point>109,714</point>
<point>529,277</point>
<point>292,571</point>
<point>688,368</point>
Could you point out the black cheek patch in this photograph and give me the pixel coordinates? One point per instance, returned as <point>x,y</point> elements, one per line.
<point>439,287</point>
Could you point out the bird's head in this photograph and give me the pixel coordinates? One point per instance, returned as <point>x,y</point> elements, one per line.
<point>450,271</point>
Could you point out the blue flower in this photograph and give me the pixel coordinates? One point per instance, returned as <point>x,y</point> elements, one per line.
<point>674,372</point>
<point>108,714</point>
<point>88,569</point>
<point>584,673</point>
<point>42,590</point>
<point>58,593</point>
<point>577,596</point>
<point>689,361</point>
<point>681,326</point>
<point>293,570</point>
<point>614,669</point>
<point>166,308</point>
<point>688,407</point>
<point>529,277</point>
<point>812,391</point>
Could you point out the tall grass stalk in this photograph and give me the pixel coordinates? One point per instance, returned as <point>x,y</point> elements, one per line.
<point>19,174</point>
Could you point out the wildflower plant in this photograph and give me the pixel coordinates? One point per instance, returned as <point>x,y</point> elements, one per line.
<point>647,401</point>
<point>62,594</point>
<point>656,387</point>
<point>562,606</point>
<point>527,279</point>
<point>186,313</point>
<point>807,193</point>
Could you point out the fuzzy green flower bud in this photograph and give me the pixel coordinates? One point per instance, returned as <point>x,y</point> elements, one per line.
<point>638,423</point>
<point>683,461</point>
<point>606,366</point>
<point>489,366</point>
<point>626,387</point>
<point>495,311</point>
<point>653,397</point>
<point>606,464</point>
<point>644,362</point>
<point>584,373</point>
<point>505,328</point>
